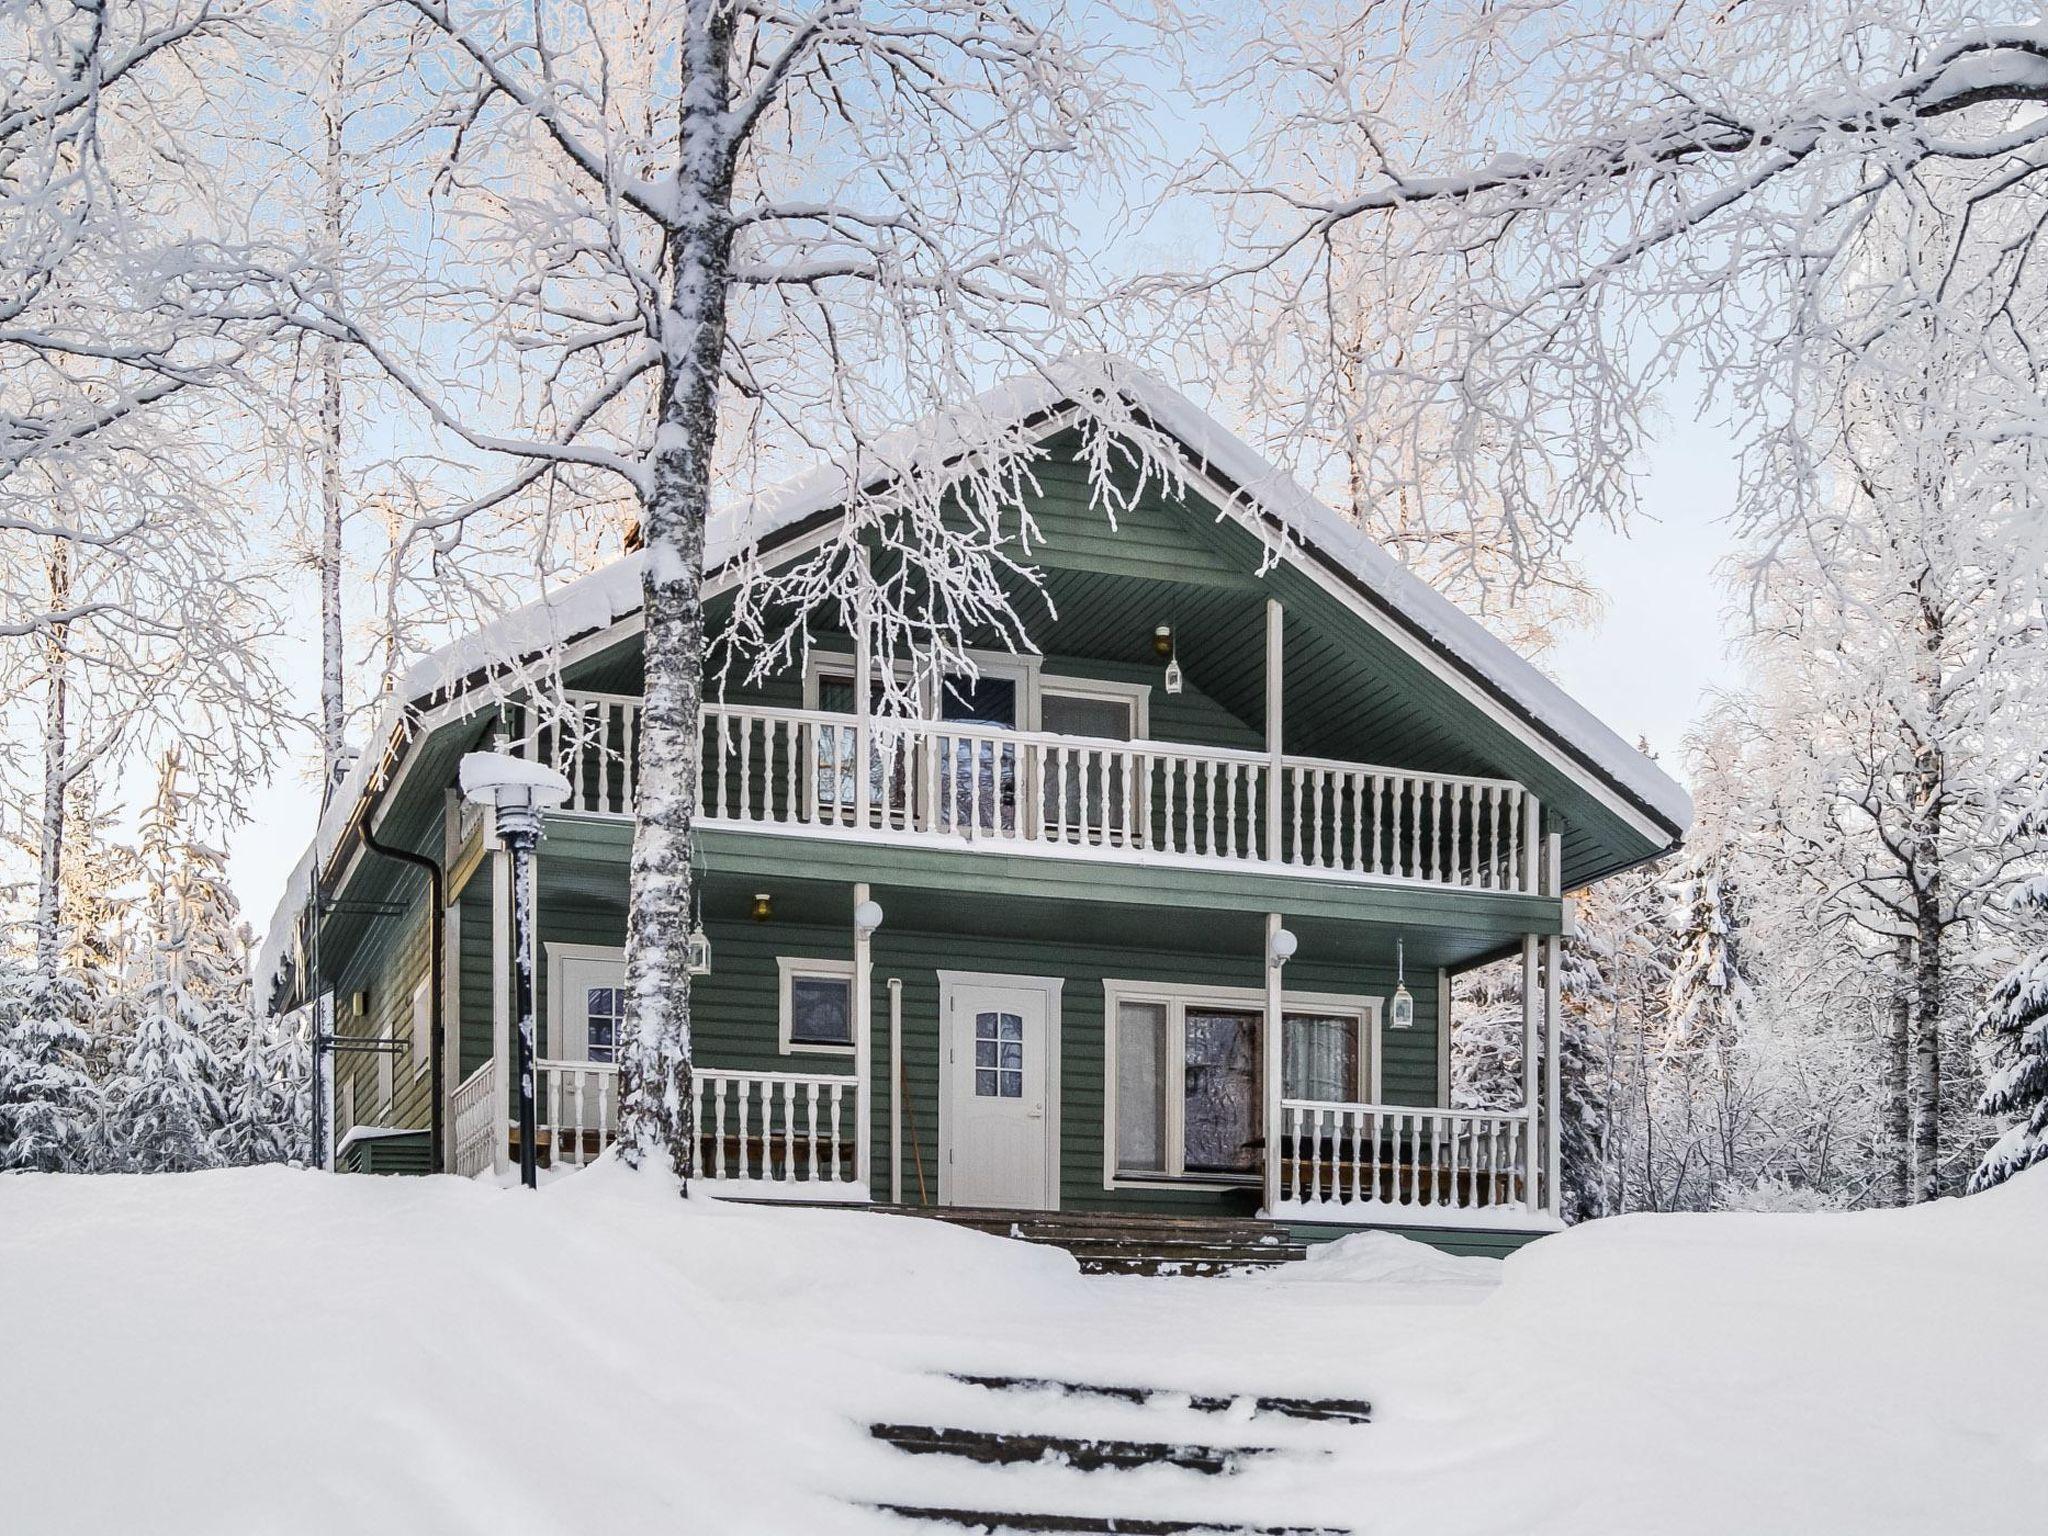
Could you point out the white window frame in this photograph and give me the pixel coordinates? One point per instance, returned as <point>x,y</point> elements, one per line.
<point>1020,668</point>
<point>1137,695</point>
<point>787,969</point>
<point>422,1026</point>
<point>1177,998</point>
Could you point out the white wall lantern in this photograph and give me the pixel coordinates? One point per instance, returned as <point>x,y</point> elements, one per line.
<point>867,917</point>
<point>1401,1008</point>
<point>1283,946</point>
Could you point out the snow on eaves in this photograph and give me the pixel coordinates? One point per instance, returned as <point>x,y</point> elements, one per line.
<point>1006,416</point>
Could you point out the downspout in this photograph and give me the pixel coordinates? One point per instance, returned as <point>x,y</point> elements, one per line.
<point>437,920</point>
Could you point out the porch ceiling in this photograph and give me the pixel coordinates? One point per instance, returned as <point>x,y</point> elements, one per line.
<point>798,902</point>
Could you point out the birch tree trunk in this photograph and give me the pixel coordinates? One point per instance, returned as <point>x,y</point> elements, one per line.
<point>333,712</point>
<point>50,830</point>
<point>1897,1134</point>
<point>1929,786</point>
<point>656,1097</point>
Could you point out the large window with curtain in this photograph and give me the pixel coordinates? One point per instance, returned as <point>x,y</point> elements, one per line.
<point>1185,1091</point>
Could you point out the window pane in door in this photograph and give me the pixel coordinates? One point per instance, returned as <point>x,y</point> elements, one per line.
<point>998,1056</point>
<point>1222,1092</point>
<point>1141,1087</point>
<point>604,1011</point>
<point>982,793</point>
<point>1319,1058</point>
<point>1083,792</point>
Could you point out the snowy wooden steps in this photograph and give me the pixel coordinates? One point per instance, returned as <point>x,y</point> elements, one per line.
<point>1114,1525</point>
<point>1120,1243</point>
<point>1098,1456</point>
<point>1336,1410</point>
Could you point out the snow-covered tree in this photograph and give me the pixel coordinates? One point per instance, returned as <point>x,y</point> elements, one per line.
<point>2016,1017</point>
<point>1681,186</point>
<point>747,236</point>
<point>49,1104</point>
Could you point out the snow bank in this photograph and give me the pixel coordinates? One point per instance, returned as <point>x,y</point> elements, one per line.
<point>1388,1258</point>
<point>261,1351</point>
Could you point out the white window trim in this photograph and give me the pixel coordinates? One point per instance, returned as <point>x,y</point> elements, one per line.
<point>558,986</point>
<point>1137,695</point>
<point>1018,667</point>
<point>788,968</point>
<point>422,1026</point>
<point>1177,997</point>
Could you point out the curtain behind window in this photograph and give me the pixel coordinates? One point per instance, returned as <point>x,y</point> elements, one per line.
<point>1319,1058</point>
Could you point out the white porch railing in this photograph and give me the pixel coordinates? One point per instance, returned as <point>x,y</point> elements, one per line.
<point>1364,1161</point>
<point>792,1129</point>
<point>1039,792</point>
<point>578,1109</point>
<point>477,1111</point>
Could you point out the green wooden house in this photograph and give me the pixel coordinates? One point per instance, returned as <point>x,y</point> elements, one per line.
<point>1170,903</point>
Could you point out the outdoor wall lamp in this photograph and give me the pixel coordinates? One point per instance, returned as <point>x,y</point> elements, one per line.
<point>1283,946</point>
<point>763,908</point>
<point>867,917</point>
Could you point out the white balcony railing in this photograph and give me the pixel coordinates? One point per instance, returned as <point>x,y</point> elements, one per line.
<point>946,781</point>
<point>1361,1161</point>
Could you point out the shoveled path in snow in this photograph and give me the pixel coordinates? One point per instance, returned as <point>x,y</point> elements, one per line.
<point>265,1350</point>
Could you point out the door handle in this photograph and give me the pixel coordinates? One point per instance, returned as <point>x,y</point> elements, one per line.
<point>1035,1112</point>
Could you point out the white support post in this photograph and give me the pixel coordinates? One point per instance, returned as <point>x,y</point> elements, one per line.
<point>863,1008</point>
<point>863,726</point>
<point>451,1022</point>
<point>1271,1044</point>
<point>501,992</point>
<point>895,1090</point>
<point>1531,1158</point>
<point>1553,1033</point>
<point>1275,629</point>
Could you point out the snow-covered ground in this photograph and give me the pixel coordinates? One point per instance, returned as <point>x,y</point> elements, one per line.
<point>270,1351</point>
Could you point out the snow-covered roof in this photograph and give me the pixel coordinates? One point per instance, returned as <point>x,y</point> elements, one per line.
<point>1006,413</point>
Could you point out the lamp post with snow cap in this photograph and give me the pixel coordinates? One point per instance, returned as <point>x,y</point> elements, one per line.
<point>520,793</point>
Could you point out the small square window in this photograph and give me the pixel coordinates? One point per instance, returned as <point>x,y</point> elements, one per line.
<point>817,1005</point>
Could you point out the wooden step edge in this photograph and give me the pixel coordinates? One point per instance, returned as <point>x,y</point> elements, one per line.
<point>1336,1410</point>
<point>1084,1453</point>
<point>1106,1525</point>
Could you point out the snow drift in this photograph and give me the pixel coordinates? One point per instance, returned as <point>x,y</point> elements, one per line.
<point>264,1350</point>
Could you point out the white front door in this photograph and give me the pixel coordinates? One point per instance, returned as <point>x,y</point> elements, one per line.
<point>587,1011</point>
<point>1001,1128</point>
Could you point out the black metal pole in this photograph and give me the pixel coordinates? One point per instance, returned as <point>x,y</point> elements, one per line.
<point>519,841</point>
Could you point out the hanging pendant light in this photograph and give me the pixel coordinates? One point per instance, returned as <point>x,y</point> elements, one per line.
<point>699,951</point>
<point>1401,1011</point>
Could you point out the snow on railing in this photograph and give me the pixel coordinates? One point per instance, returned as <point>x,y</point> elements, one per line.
<point>1345,1158</point>
<point>478,1114</point>
<point>1042,792</point>
<point>792,1129</point>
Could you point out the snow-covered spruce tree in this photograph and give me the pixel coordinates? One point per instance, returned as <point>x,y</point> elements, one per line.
<point>2016,1019</point>
<point>1681,186</point>
<point>167,1112</point>
<point>49,1104</point>
<point>751,236</point>
<point>1486,1066</point>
